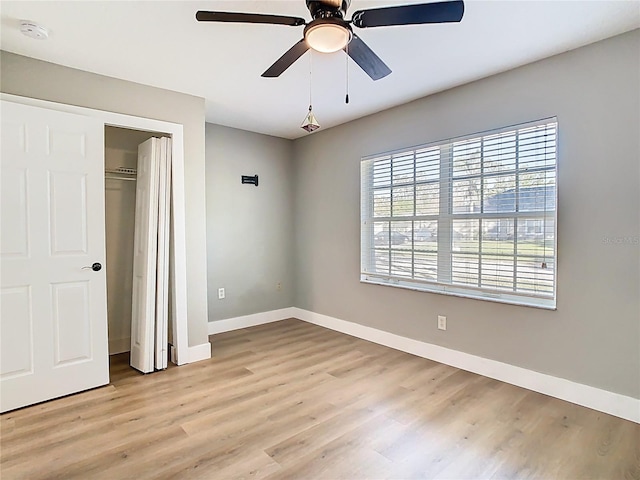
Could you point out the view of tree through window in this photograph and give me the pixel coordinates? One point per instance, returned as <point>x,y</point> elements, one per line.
<point>475,215</point>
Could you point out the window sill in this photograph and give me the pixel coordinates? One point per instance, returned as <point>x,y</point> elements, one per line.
<point>452,290</point>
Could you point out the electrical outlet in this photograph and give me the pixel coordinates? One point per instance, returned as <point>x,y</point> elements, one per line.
<point>220,293</point>
<point>442,322</point>
<point>278,286</point>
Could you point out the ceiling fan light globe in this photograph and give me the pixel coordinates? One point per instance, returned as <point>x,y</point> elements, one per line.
<point>327,37</point>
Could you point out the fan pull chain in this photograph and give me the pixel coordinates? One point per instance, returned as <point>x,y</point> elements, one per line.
<point>346,98</point>
<point>310,78</point>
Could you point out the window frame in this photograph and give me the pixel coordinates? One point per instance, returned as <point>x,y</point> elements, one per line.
<point>446,216</point>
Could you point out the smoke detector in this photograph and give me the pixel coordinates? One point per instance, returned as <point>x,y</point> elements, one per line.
<point>33,30</point>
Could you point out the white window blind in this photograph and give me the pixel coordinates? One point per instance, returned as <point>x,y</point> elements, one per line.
<point>472,216</point>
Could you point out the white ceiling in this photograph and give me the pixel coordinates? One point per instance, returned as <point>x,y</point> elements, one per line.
<point>160,43</point>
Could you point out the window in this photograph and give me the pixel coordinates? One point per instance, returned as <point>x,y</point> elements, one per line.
<point>472,216</point>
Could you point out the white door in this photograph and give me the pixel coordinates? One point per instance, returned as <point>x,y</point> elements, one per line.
<point>145,246</point>
<point>53,316</point>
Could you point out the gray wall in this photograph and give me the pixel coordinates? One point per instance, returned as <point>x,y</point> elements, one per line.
<point>249,229</point>
<point>33,78</point>
<point>594,336</point>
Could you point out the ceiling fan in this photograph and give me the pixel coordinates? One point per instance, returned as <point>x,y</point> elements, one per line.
<point>329,31</point>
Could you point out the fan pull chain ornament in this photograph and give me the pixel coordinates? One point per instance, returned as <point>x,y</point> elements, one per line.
<point>310,123</point>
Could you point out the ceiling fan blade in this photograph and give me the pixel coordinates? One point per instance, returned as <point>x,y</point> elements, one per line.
<point>439,12</point>
<point>233,17</point>
<point>286,60</point>
<point>366,59</point>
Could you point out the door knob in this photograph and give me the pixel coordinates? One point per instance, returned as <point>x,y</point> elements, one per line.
<point>96,267</point>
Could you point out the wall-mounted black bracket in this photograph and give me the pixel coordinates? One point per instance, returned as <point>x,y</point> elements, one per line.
<point>251,180</point>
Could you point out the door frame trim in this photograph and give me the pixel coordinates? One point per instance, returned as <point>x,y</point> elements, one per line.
<point>181,346</point>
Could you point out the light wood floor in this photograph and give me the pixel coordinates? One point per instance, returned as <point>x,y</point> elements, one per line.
<point>293,400</point>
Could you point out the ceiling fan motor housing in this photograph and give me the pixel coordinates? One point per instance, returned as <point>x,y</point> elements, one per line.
<point>328,8</point>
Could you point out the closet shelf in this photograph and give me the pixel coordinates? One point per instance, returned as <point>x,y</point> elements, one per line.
<point>121,173</point>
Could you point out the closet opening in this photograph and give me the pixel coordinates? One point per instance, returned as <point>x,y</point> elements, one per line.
<point>137,230</point>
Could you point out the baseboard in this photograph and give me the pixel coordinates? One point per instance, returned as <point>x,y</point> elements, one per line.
<point>199,352</point>
<point>252,320</point>
<point>602,400</point>
<point>119,345</point>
